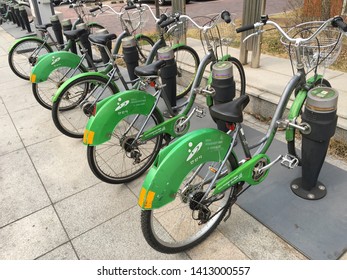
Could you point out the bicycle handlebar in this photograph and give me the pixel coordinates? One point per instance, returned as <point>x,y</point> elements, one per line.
<point>335,22</point>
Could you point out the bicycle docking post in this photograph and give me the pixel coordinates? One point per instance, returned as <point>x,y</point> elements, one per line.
<point>56,26</point>
<point>130,55</point>
<point>320,114</point>
<point>67,25</point>
<point>24,15</point>
<point>224,86</point>
<point>168,73</point>
<point>85,41</point>
<point>19,20</point>
<point>104,56</point>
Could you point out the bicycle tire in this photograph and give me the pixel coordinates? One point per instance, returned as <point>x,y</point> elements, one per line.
<point>239,76</point>
<point>109,161</point>
<point>187,61</point>
<point>44,91</point>
<point>144,46</point>
<point>172,229</point>
<point>22,56</point>
<point>69,116</point>
<point>294,146</point>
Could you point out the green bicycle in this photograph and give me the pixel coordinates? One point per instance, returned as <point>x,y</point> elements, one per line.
<point>129,129</point>
<point>195,181</point>
<point>24,52</point>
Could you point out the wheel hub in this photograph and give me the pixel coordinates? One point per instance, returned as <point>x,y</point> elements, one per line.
<point>131,149</point>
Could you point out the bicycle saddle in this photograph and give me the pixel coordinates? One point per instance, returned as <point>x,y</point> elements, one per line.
<point>149,70</point>
<point>75,34</point>
<point>101,39</point>
<point>230,112</point>
<point>43,27</point>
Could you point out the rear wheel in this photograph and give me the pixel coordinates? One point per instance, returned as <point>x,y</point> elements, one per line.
<point>23,56</point>
<point>188,220</point>
<point>75,103</point>
<point>121,160</point>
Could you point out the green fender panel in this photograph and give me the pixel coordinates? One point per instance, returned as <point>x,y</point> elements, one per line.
<point>112,110</point>
<point>175,161</point>
<point>52,61</point>
<point>78,76</point>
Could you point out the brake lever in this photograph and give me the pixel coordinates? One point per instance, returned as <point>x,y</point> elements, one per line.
<point>253,34</point>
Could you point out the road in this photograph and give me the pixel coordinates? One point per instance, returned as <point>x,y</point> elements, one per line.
<point>193,9</point>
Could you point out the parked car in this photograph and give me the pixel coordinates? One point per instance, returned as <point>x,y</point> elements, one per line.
<point>162,2</point>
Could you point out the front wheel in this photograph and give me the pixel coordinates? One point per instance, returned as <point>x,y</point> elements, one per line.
<point>187,61</point>
<point>76,102</point>
<point>188,220</point>
<point>23,56</point>
<point>294,146</point>
<point>122,159</point>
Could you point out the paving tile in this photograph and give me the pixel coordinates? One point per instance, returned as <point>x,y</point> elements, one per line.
<point>63,252</point>
<point>10,140</point>
<point>31,236</point>
<point>3,110</point>
<point>254,239</point>
<point>93,206</point>
<point>62,164</point>
<point>119,238</point>
<point>21,190</point>
<point>216,247</point>
<point>34,125</point>
<point>17,95</point>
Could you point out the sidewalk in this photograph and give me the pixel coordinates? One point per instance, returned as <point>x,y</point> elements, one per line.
<point>53,207</point>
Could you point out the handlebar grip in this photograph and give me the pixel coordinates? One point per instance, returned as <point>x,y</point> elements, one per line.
<point>167,22</point>
<point>130,7</point>
<point>226,16</point>
<point>245,28</point>
<point>163,17</point>
<point>94,9</point>
<point>338,22</point>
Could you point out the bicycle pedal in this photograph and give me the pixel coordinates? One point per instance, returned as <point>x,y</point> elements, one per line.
<point>200,112</point>
<point>289,161</point>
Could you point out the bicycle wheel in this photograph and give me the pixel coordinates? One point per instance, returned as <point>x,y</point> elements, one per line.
<point>44,91</point>
<point>119,160</point>
<point>73,106</point>
<point>187,221</point>
<point>144,46</point>
<point>294,146</point>
<point>96,54</point>
<point>239,76</point>
<point>187,61</point>
<point>23,56</point>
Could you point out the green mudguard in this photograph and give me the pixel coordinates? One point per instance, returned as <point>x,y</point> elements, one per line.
<point>111,110</point>
<point>175,161</point>
<point>49,62</point>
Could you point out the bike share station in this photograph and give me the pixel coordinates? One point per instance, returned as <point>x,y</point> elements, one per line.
<point>306,205</point>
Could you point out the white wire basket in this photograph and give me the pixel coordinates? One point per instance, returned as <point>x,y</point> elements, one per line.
<point>134,19</point>
<point>320,51</point>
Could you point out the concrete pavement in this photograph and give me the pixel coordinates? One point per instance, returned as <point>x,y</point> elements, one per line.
<point>53,207</point>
